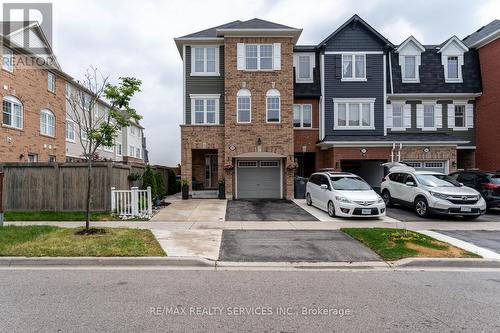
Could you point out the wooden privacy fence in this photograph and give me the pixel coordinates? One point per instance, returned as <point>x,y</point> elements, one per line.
<point>133,202</point>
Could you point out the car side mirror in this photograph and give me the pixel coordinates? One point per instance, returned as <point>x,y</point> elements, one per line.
<point>324,187</point>
<point>461,184</point>
<point>410,184</point>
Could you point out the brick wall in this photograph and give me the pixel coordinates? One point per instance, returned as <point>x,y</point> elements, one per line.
<point>487,120</point>
<point>29,85</point>
<point>305,139</point>
<point>435,153</point>
<point>276,138</point>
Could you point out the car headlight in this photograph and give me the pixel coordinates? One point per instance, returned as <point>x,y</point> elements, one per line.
<point>439,195</point>
<point>380,200</point>
<point>342,199</point>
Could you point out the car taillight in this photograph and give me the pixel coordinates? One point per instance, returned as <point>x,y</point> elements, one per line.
<point>490,186</point>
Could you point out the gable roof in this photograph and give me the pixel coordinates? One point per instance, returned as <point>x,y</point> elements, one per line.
<point>257,23</point>
<point>408,40</point>
<point>450,40</point>
<point>210,32</point>
<point>356,18</point>
<point>483,35</point>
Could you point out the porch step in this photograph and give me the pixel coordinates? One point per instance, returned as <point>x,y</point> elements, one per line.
<point>206,194</point>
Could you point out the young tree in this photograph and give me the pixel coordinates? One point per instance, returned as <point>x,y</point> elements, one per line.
<point>96,127</point>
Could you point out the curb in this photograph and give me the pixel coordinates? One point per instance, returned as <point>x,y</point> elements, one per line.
<point>303,265</point>
<point>106,261</point>
<point>422,263</point>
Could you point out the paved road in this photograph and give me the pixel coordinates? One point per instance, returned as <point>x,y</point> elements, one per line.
<point>487,239</point>
<point>292,245</point>
<point>126,301</point>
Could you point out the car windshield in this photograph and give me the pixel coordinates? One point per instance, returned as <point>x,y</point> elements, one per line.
<point>437,181</point>
<point>349,184</point>
<point>495,179</point>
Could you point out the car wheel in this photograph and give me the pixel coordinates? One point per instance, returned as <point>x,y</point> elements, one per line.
<point>386,196</point>
<point>309,201</point>
<point>331,209</point>
<point>421,207</point>
<point>471,217</point>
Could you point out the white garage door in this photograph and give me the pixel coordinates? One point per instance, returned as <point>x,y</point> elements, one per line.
<point>258,179</point>
<point>436,166</point>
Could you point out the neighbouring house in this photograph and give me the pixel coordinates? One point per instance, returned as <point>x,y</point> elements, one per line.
<point>355,102</point>
<point>238,100</point>
<point>487,43</point>
<point>33,97</point>
<point>35,126</point>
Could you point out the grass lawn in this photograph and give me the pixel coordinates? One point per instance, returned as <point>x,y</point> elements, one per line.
<point>56,216</point>
<point>394,244</point>
<point>49,241</point>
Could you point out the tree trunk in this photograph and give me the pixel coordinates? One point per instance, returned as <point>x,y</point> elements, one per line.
<point>89,197</point>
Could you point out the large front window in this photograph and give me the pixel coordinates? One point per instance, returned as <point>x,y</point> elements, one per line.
<point>353,67</point>
<point>12,112</point>
<point>204,61</point>
<point>302,115</point>
<point>47,123</point>
<point>259,56</point>
<point>354,115</point>
<point>205,110</point>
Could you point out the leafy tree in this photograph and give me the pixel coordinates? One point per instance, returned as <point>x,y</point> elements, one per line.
<point>98,128</point>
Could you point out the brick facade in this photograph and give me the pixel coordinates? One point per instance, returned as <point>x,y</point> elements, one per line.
<point>29,85</point>
<point>487,120</point>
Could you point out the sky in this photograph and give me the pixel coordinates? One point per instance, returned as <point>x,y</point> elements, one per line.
<point>135,38</point>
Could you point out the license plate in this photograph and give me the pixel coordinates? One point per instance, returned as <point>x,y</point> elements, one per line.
<point>465,209</point>
<point>366,211</point>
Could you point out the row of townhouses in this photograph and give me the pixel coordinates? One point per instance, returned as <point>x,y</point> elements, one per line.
<point>259,109</point>
<point>36,122</point>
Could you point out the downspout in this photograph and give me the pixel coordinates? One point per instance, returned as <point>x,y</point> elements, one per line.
<point>392,151</point>
<point>399,151</point>
<point>390,72</point>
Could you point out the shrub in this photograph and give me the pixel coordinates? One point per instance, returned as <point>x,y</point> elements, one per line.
<point>160,184</point>
<point>173,184</point>
<point>149,179</point>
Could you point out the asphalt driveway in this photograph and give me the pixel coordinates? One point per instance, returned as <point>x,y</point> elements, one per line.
<point>266,210</point>
<point>406,214</point>
<point>487,239</point>
<point>292,246</point>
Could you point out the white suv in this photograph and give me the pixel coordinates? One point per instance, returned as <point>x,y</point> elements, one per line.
<point>431,193</point>
<point>343,194</point>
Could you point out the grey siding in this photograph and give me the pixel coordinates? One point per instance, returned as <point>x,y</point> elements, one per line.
<point>204,84</point>
<point>468,135</point>
<point>355,37</point>
<point>372,88</point>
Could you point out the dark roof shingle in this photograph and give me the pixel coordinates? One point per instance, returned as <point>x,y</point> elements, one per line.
<point>482,33</point>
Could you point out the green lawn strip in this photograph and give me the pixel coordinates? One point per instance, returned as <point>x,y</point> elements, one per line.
<point>44,241</point>
<point>56,216</point>
<point>392,244</point>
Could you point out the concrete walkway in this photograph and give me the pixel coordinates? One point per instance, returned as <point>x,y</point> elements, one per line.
<point>193,210</point>
<point>190,243</point>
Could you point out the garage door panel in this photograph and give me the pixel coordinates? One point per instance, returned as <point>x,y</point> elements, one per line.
<point>436,166</point>
<point>254,182</point>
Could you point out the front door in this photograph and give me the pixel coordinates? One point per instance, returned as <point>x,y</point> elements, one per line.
<point>211,175</point>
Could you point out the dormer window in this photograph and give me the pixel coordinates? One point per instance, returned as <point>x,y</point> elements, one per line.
<point>409,59</point>
<point>452,59</point>
<point>304,65</point>
<point>452,63</point>
<point>409,69</point>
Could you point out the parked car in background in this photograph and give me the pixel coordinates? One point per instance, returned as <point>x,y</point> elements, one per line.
<point>431,193</point>
<point>343,194</point>
<point>486,183</point>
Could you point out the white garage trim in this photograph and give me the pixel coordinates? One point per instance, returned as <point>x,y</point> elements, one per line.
<point>260,164</point>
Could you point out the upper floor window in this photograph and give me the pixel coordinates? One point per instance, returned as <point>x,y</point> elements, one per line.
<point>459,115</point>
<point>118,146</point>
<point>452,66</point>
<point>397,116</point>
<point>47,123</point>
<point>51,82</point>
<point>354,114</point>
<point>273,106</point>
<point>353,67</point>
<point>302,115</point>
<point>70,130</point>
<point>131,151</point>
<point>12,112</point>
<point>244,106</point>
<point>132,130</point>
<point>8,59</point>
<point>138,152</point>
<point>410,68</point>
<point>205,109</point>
<point>205,60</point>
<point>254,57</point>
<point>429,116</point>
<point>304,64</point>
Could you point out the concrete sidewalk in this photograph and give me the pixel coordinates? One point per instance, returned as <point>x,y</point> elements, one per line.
<point>193,210</point>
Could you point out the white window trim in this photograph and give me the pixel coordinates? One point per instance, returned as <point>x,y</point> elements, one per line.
<point>249,95</point>
<point>13,100</point>
<point>258,58</point>
<point>42,129</point>
<point>273,93</point>
<point>11,60</point>
<point>217,60</point>
<point>116,146</point>
<point>402,63</point>
<point>424,128</point>
<point>460,58</point>
<point>204,97</point>
<point>402,128</point>
<point>337,101</point>
<point>51,75</point>
<point>312,65</point>
<point>302,116</point>
<point>74,131</point>
<point>461,128</point>
<point>353,68</point>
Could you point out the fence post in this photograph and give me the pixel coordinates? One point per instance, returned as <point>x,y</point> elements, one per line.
<point>150,202</point>
<point>1,199</point>
<point>135,200</point>
<point>113,199</point>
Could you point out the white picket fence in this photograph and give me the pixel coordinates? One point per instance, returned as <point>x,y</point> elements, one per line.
<point>133,202</point>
